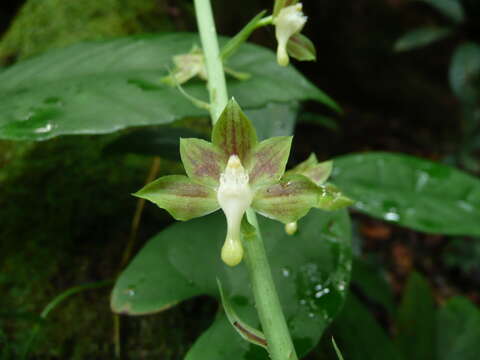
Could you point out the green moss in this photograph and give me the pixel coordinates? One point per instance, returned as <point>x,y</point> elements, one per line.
<point>41,25</point>
<point>66,208</point>
<point>66,211</point>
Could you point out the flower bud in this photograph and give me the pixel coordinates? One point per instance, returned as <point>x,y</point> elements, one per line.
<point>291,228</point>
<point>290,21</point>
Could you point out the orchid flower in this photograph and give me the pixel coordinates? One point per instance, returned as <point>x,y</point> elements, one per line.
<point>232,173</point>
<point>289,21</point>
<point>191,65</point>
<point>319,172</point>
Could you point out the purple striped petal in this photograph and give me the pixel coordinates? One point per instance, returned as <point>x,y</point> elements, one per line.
<point>202,160</point>
<point>288,200</point>
<point>268,159</point>
<point>234,132</point>
<point>183,198</point>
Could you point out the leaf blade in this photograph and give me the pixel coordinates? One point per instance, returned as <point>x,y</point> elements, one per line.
<point>410,191</point>
<point>59,92</point>
<point>174,265</point>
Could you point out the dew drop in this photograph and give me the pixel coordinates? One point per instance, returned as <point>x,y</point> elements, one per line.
<point>465,206</point>
<point>44,129</point>
<point>320,293</point>
<point>392,216</point>
<point>130,292</point>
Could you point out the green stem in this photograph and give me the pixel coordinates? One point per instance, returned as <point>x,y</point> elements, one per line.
<point>54,303</point>
<point>267,20</point>
<point>273,322</point>
<point>217,85</point>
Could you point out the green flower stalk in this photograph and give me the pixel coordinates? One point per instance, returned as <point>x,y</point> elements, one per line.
<point>233,173</point>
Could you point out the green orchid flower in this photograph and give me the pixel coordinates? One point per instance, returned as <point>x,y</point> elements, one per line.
<point>319,172</point>
<point>289,21</point>
<point>191,65</point>
<point>232,173</point>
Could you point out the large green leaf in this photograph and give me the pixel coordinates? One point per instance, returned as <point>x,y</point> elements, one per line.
<point>458,330</point>
<point>311,270</point>
<point>360,336</point>
<point>416,320</point>
<point>412,192</point>
<point>101,87</point>
<point>274,119</point>
<point>161,141</point>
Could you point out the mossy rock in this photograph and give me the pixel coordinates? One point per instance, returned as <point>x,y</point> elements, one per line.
<point>66,211</point>
<point>41,25</point>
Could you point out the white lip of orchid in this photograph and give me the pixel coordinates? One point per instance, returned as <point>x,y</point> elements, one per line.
<point>289,21</point>
<point>234,197</point>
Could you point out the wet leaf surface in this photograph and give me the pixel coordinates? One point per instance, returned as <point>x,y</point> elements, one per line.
<point>161,141</point>
<point>104,86</point>
<point>311,270</point>
<point>412,192</point>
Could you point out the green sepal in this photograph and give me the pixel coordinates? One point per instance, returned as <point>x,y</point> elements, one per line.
<point>288,200</point>
<point>183,198</point>
<point>267,162</point>
<point>202,160</point>
<point>301,48</point>
<point>247,332</point>
<point>234,132</point>
<point>315,171</point>
<point>331,198</point>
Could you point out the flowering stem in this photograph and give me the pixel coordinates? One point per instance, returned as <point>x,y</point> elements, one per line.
<point>217,85</point>
<point>274,326</point>
<point>267,20</point>
<point>273,322</point>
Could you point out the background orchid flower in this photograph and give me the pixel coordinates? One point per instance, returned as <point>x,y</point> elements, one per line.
<point>289,21</point>
<point>191,65</point>
<point>319,172</point>
<point>234,172</point>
